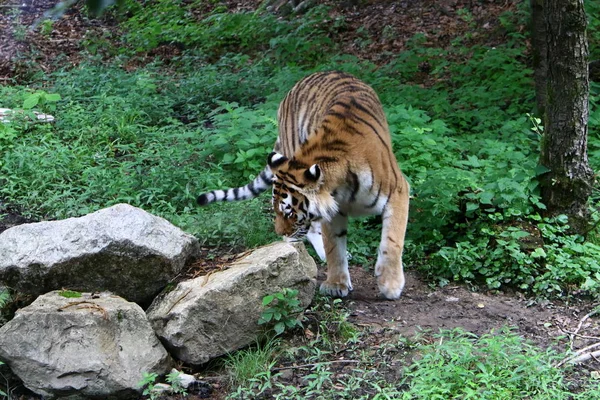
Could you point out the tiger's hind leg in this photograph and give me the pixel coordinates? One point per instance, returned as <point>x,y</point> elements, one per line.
<point>315,238</point>
<point>389,270</point>
<point>338,282</point>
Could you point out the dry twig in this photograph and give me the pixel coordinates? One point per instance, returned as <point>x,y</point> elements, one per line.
<point>86,305</point>
<point>304,366</point>
<point>583,319</point>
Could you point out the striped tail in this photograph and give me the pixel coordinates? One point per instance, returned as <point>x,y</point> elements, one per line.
<point>262,182</point>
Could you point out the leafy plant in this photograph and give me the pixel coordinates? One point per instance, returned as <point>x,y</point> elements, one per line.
<point>282,311</point>
<point>46,101</point>
<point>174,379</point>
<point>5,297</point>
<point>147,383</point>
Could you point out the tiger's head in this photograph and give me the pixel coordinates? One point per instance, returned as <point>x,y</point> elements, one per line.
<point>299,197</point>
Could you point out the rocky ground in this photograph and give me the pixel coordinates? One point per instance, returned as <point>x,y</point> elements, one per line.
<point>422,306</point>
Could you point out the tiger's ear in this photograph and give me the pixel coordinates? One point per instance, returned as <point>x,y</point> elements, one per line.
<point>275,160</point>
<point>313,174</point>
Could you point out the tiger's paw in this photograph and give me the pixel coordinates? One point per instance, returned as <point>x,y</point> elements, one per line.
<point>390,284</point>
<point>334,289</point>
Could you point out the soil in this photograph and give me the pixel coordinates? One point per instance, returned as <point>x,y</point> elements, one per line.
<point>375,29</point>
<point>425,308</point>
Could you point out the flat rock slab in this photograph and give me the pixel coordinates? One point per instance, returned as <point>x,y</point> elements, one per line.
<point>93,346</point>
<point>213,315</point>
<point>121,249</point>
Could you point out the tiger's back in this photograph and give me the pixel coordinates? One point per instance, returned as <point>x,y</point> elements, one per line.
<point>313,98</point>
<point>332,159</point>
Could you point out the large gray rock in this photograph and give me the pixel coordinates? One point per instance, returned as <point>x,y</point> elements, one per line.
<point>216,314</point>
<point>93,346</point>
<point>122,249</point>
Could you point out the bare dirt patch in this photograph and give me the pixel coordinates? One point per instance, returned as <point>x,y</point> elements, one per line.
<point>424,307</point>
<point>375,30</point>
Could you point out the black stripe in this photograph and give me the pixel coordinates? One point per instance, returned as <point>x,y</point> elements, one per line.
<point>365,110</point>
<point>311,148</point>
<point>352,130</point>
<point>374,203</point>
<point>355,185</point>
<point>342,104</point>
<point>304,204</point>
<point>372,177</point>
<point>336,145</point>
<point>326,159</point>
<point>364,121</point>
<point>265,178</point>
<point>286,176</point>
<point>295,164</point>
<point>342,233</point>
<point>252,189</point>
<point>327,130</point>
<point>236,193</point>
<point>336,142</point>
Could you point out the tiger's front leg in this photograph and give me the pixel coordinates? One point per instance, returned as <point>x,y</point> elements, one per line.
<point>334,238</point>
<point>389,270</point>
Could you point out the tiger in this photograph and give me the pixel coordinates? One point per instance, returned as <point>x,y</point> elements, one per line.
<point>333,159</point>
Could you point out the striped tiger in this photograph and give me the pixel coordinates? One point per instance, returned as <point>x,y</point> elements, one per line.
<point>333,159</point>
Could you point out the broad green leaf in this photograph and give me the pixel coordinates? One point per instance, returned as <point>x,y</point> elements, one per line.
<point>267,299</point>
<point>472,206</point>
<point>53,97</point>
<point>279,328</point>
<point>31,101</point>
<point>538,253</point>
<point>486,197</point>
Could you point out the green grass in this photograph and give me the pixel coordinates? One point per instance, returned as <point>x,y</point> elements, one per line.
<point>452,364</point>
<point>460,365</point>
<point>249,370</point>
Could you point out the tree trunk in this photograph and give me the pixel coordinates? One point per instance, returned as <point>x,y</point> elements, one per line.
<point>539,53</point>
<point>567,186</point>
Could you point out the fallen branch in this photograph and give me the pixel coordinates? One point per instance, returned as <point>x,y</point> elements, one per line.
<point>581,358</point>
<point>315,364</point>
<point>583,319</point>
<point>88,305</point>
<point>570,333</point>
<point>581,355</point>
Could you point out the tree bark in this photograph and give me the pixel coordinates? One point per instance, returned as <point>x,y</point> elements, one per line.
<point>568,184</point>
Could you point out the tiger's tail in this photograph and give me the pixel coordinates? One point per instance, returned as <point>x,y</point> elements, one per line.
<point>262,182</point>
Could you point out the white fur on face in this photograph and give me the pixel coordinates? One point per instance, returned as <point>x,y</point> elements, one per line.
<point>285,205</point>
